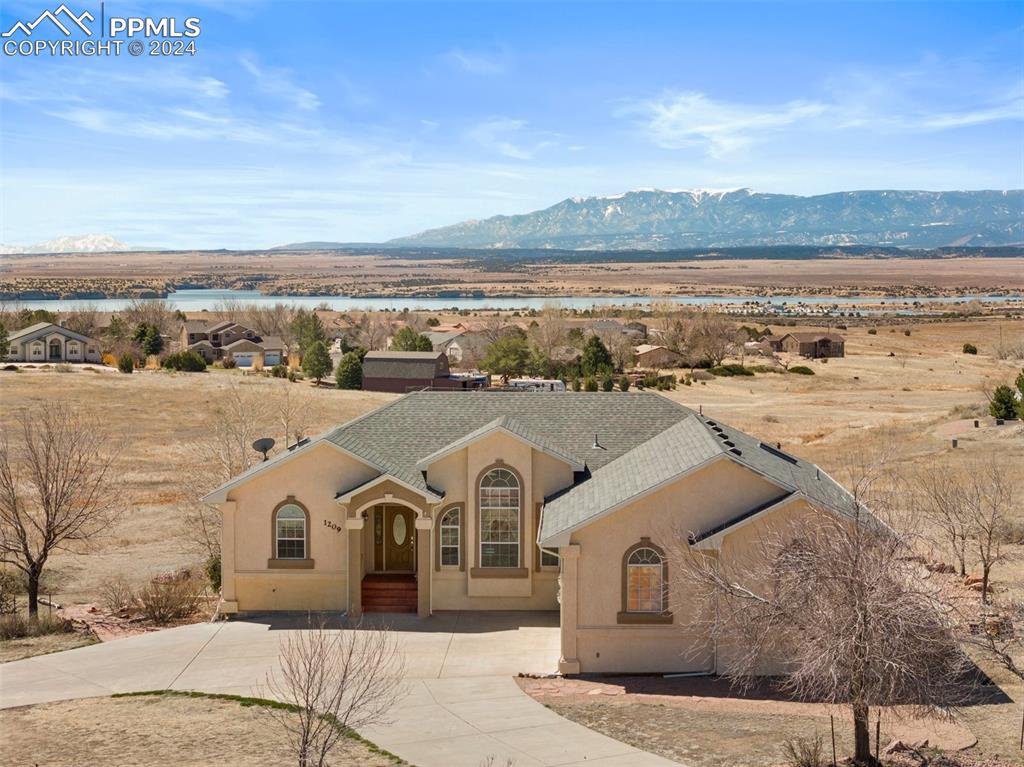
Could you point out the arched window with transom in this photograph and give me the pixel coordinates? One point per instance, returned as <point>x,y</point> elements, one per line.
<point>290,532</point>
<point>500,511</point>
<point>644,584</point>
<point>451,537</point>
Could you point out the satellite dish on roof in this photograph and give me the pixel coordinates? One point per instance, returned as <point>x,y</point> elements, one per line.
<point>263,445</point>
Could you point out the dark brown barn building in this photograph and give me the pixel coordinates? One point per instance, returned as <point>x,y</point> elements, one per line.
<point>403,372</point>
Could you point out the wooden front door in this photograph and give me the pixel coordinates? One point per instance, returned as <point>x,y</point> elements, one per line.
<point>399,534</point>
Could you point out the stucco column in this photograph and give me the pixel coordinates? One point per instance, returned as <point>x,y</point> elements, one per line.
<point>424,552</point>
<point>355,566</point>
<point>569,604</point>
<point>229,599</point>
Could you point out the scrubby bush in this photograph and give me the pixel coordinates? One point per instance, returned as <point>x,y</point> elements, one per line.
<point>168,599</point>
<point>970,349</point>
<point>730,370</point>
<point>801,370</point>
<point>117,596</point>
<point>279,371</point>
<point>229,363</point>
<point>805,752</point>
<point>872,331</point>
<point>12,584</point>
<point>701,375</point>
<point>590,384</point>
<point>576,386</point>
<point>607,383</point>
<point>187,362</point>
<point>126,363</point>
<point>213,572</point>
<point>624,383</point>
<point>906,332</point>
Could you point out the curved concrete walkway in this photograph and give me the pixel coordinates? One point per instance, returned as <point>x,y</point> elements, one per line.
<point>462,704</point>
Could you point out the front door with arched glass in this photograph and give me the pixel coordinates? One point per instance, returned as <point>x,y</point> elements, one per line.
<point>394,537</point>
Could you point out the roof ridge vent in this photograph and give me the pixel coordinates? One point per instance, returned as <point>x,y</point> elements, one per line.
<point>736,450</point>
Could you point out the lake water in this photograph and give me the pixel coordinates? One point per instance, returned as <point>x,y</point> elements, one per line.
<point>199,300</point>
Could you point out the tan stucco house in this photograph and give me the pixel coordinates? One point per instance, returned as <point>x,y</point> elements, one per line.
<point>46,342</point>
<point>512,501</point>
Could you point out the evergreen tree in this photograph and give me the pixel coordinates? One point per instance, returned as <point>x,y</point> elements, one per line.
<point>5,343</point>
<point>507,357</point>
<point>1003,403</point>
<point>307,330</point>
<point>596,358</point>
<point>349,373</point>
<point>316,362</point>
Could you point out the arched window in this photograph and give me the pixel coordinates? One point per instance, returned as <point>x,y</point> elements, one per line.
<point>499,519</point>
<point>290,532</point>
<point>645,585</point>
<point>451,532</point>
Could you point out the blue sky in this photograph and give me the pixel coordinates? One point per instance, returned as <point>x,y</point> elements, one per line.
<point>368,120</point>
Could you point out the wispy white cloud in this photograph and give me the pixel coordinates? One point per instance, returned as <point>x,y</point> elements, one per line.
<point>676,120</point>
<point>497,135</point>
<point>479,62</point>
<point>278,81</point>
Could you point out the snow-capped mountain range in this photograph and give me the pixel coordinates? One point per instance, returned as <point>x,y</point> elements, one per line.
<point>662,219</point>
<point>81,243</point>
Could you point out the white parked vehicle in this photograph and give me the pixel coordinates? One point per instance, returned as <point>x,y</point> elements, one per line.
<point>537,384</point>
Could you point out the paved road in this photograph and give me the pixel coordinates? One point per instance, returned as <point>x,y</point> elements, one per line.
<point>461,704</point>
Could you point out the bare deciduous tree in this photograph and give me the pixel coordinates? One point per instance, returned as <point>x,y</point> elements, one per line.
<point>986,493</point>
<point>335,682</point>
<point>839,605</point>
<point>152,311</point>
<point>551,332</point>
<point>53,487</point>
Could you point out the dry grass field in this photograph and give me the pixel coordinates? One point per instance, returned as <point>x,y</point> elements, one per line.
<point>158,730</point>
<point>154,416</point>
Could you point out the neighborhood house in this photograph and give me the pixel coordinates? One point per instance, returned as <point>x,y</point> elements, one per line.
<point>229,340</point>
<point>812,345</point>
<point>514,501</point>
<point>46,342</point>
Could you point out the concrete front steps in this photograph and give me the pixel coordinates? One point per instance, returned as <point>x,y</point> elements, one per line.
<point>387,593</point>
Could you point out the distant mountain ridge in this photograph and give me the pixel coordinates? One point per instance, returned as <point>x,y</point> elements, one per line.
<point>655,219</point>
<point>82,243</point>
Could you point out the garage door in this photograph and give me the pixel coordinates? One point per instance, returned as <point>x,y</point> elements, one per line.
<point>244,359</point>
<point>272,358</point>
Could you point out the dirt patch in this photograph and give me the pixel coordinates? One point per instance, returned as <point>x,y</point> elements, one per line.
<point>186,732</point>
<point>702,723</point>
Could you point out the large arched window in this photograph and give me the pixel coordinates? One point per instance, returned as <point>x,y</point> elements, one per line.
<point>644,584</point>
<point>290,532</point>
<point>499,519</point>
<point>451,534</point>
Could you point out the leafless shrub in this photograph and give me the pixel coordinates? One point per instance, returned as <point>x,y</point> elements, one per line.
<point>835,602</point>
<point>117,595</point>
<point>805,752</point>
<point>165,601</point>
<point>334,682</point>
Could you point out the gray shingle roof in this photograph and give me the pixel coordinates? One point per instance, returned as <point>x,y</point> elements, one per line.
<point>643,440</point>
<point>42,329</point>
<point>403,364</point>
<point>409,429</point>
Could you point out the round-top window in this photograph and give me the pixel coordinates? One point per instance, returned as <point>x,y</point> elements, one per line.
<point>398,530</point>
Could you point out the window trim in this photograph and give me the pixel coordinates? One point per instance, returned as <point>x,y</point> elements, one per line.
<point>306,562</point>
<point>626,616</point>
<point>461,567</point>
<point>486,571</point>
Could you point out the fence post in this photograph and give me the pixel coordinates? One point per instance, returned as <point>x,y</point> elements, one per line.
<point>832,721</point>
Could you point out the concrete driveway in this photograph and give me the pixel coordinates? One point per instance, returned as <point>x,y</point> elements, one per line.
<point>461,704</point>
